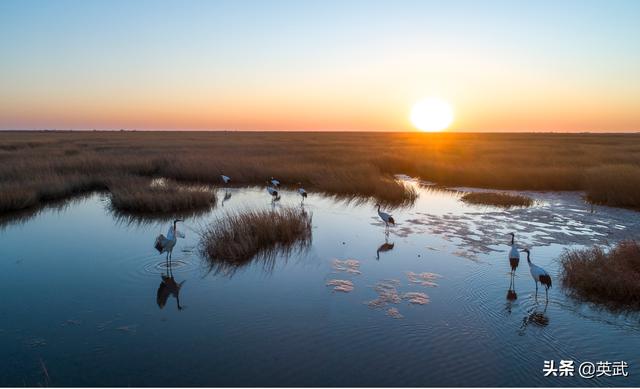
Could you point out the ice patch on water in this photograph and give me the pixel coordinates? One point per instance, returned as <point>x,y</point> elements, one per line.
<point>394,313</point>
<point>418,298</point>
<point>351,266</point>
<point>423,279</point>
<point>559,218</point>
<point>344,286</point>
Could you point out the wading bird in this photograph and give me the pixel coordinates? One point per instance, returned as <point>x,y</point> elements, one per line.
<point>165,244</point>
<point>273,192</point>
<point>275,182</point>
<point>539,275</point>
<point>386,218</point>
<point>302,192</point>
<point>225,179</point>
<point>514,254</point>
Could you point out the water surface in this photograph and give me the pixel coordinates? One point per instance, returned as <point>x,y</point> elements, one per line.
<point>85,298</point>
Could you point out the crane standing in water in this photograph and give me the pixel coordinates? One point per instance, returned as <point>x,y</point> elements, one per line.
<point>386,218</point>
<point>514,254</point>
<point>302,192</point>
<point>273,192</point>
<point>539,275</point>
<point>166,244</point>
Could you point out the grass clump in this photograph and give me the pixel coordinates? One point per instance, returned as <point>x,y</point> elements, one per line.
<point>136,195</point>
<point>606,278</point>
<point>504,200</point>
<point>237,239</point>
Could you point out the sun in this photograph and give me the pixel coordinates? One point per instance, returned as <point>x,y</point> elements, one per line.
<point>432,114</point>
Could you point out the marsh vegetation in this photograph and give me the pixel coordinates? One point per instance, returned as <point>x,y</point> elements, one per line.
<point>503,200</point>
<point>140,195</point>
<point>609,278</point>
<point>237,239</point>
<point>38,167</point>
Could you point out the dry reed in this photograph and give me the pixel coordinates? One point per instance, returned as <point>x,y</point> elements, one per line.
<point>503,200</point>
<point>38,167</point>
<point>606,278</point>
<point>139,195</point>
<point>238,239</point>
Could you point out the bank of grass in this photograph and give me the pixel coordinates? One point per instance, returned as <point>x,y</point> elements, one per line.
<point>614,185</point>
<point>138,195</point>
<point>239,238</point>
<point>609,278</point>
<point>38,167</point>
<point>503,200</point>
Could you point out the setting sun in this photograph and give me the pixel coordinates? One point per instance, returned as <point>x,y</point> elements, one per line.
<point>432,115</point>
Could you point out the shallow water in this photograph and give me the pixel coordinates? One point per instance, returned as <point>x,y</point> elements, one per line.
<point>426,305</point>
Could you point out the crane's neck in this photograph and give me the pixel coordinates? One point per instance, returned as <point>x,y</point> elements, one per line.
<point>513,237</point>
<point>528,258</point>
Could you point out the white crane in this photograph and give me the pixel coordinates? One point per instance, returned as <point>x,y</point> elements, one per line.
<point>302,192</point>
<point>275,182</point>
<point>386,218</point>
<point>166,244</point>
<point>514,254</point>
<point>225,179</point>
<point>539,275</point>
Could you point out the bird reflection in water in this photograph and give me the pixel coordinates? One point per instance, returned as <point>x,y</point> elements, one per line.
<point>386,246</point>
<point>169,287</point>
<point>536,317</point>
<point>227,196</point>
<point>512,296</point>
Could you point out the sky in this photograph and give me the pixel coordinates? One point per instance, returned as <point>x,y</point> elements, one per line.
<point>319,65</point>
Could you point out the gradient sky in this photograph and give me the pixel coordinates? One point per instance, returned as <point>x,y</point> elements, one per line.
<point>321,65</point>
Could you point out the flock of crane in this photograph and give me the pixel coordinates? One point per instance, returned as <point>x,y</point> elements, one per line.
<point>272,187</point>
<point>165,244</point>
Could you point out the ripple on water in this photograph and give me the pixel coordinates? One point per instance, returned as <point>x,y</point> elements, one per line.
<point>147,266</point>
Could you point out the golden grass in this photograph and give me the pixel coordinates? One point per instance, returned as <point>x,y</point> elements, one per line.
<point>503,200</point>
<point>617,185</point>
<point>37,167</point>
<point>238,239</point>
<point>137,195</point>
<point>608,278</point>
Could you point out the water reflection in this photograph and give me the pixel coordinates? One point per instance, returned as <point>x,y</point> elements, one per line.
<point>23,216</point>
<point>227,196</point>
<point>262,306</point>
<point>169,287</point>
<point>512,296</point>
<point>386,246</point>
<point>536,317</point>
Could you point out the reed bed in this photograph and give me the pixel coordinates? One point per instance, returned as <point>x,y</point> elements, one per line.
<point>137,195</point>
<point>240,238</point>
<point>503,200</point>
<point>37,167</point>
<point>608,278</point>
